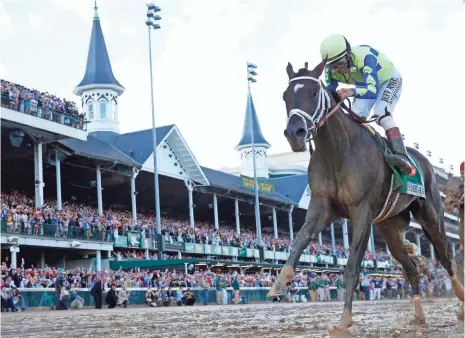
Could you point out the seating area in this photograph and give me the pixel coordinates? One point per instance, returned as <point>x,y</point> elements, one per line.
<point>40,104</point>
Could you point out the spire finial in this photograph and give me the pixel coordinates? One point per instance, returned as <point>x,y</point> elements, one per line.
<point>95,10</point>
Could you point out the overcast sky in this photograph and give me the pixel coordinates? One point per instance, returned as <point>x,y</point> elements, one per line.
<point>200,59</point>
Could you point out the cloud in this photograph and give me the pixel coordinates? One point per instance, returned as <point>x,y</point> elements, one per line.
<point>34,20</point>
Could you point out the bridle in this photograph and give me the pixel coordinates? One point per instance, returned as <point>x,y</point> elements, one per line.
<point>319,117</point>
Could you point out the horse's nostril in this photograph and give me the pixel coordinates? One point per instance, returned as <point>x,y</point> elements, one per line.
<point>301,133</point>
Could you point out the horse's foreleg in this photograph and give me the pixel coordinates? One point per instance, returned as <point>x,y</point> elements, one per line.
<point>317,218</point>
<point>361,232</point>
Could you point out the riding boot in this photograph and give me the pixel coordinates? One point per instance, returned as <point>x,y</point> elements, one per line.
<point>399,158</point>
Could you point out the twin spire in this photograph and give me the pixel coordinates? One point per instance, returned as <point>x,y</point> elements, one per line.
<point>98,68</point>
<point>246,140</point>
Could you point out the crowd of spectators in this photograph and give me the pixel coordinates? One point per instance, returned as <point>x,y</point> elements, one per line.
<point>80,221</point>
<point>40,104</point>
<point>159,285</point>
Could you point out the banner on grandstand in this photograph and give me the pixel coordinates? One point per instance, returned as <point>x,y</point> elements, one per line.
<point>189,247</point>
<point>134,240</point>
<point>263,186</point>
<point>199,248</point>
<point>121,241</point>
<point>146,243</point>
<point>242,252</point>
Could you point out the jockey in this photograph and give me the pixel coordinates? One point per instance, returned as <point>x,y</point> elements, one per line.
<point>462,168</point>
<point>377,83</point>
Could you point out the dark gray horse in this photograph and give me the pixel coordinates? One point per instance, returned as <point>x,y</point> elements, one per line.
<point>349,178</point>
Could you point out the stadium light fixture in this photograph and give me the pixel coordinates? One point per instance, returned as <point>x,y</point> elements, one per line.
<point>151,22</point>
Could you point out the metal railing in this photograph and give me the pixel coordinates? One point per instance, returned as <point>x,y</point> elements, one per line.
<point>43,112</point>
<point>56,231</point>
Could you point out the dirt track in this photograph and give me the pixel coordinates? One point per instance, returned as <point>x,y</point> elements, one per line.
<point>372,319</point>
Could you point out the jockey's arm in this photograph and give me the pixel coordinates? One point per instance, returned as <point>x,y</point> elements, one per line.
<point>331,83</point>
<point>369,89</point>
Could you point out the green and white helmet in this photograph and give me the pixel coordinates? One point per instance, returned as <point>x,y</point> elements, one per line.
<point>334,48</point>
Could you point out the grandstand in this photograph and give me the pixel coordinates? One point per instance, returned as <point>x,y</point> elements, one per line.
<point>74,187</point>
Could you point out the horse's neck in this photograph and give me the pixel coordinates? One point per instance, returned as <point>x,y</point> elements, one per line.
<point>333,138</point>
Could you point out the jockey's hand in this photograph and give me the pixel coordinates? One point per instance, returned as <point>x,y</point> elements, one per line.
<point>345,92</point>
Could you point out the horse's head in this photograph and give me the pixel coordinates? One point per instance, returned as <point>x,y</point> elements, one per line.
<point>306,103</point>
<point>454,191</point>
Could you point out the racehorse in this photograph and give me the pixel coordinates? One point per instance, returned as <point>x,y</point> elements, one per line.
<point>349,178</point>
<point>455,200</point>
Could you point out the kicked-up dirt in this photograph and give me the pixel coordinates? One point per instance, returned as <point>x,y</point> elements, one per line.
<point>371,319</point>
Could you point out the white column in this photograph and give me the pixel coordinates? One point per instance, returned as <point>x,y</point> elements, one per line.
<point>109,253</point>
<point>431,249</point>
<point>147,256</point>
<point>333,239</point>
<point>39,175</point>
<point>418,235</point>
<point>98,263</point>
<point>275,224</point>
<point>14,249</point>
<point>42,260</point>
<point>320,239</point>
<point>345,234</point>
<point>58,175</point>
<point>99,191</point>
<point>190,191</point>
<point>291,228</point>
<point>135,172</point>
<point>238,221</point>
<point>372,240</point>
<point>215,211</point>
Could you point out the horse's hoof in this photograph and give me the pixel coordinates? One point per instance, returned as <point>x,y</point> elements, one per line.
<point>460,315</point>
<point>351,330</point>
<point>419,321</point>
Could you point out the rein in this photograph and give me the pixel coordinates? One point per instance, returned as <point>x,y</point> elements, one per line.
<point>322,112</point>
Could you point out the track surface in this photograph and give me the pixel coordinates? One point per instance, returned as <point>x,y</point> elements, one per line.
<point>372,319</point>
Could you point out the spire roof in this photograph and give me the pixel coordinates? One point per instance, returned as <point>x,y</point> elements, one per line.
<point>98,68</point>
<point>246,139</point>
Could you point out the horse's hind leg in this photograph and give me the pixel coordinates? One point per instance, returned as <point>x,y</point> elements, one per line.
<point>391,229</point>
<point>429,213</point>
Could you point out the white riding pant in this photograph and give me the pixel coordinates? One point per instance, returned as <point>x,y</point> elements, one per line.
<point>387,98</point>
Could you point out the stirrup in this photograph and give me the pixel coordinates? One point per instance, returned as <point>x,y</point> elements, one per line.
<point>401,163</point>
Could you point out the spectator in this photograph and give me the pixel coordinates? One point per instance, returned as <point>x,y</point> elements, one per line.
<point>220,289</point>
<point>237,289</point>
<point>7,301</point>
<point>96,292</point>
<point>150,298</point>
<point>123,297</point>
<point>112,298</point>
<point>77,302</point>
<point>190,298</point>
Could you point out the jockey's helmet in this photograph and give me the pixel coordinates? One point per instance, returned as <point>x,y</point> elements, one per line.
<point>334,48</point>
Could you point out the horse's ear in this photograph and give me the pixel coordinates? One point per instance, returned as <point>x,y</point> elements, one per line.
<point>290,70</point>
<point>306,65</point>
<point>319,69</point>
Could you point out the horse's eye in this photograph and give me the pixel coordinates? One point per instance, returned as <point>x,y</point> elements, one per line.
<point>313,95</point>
